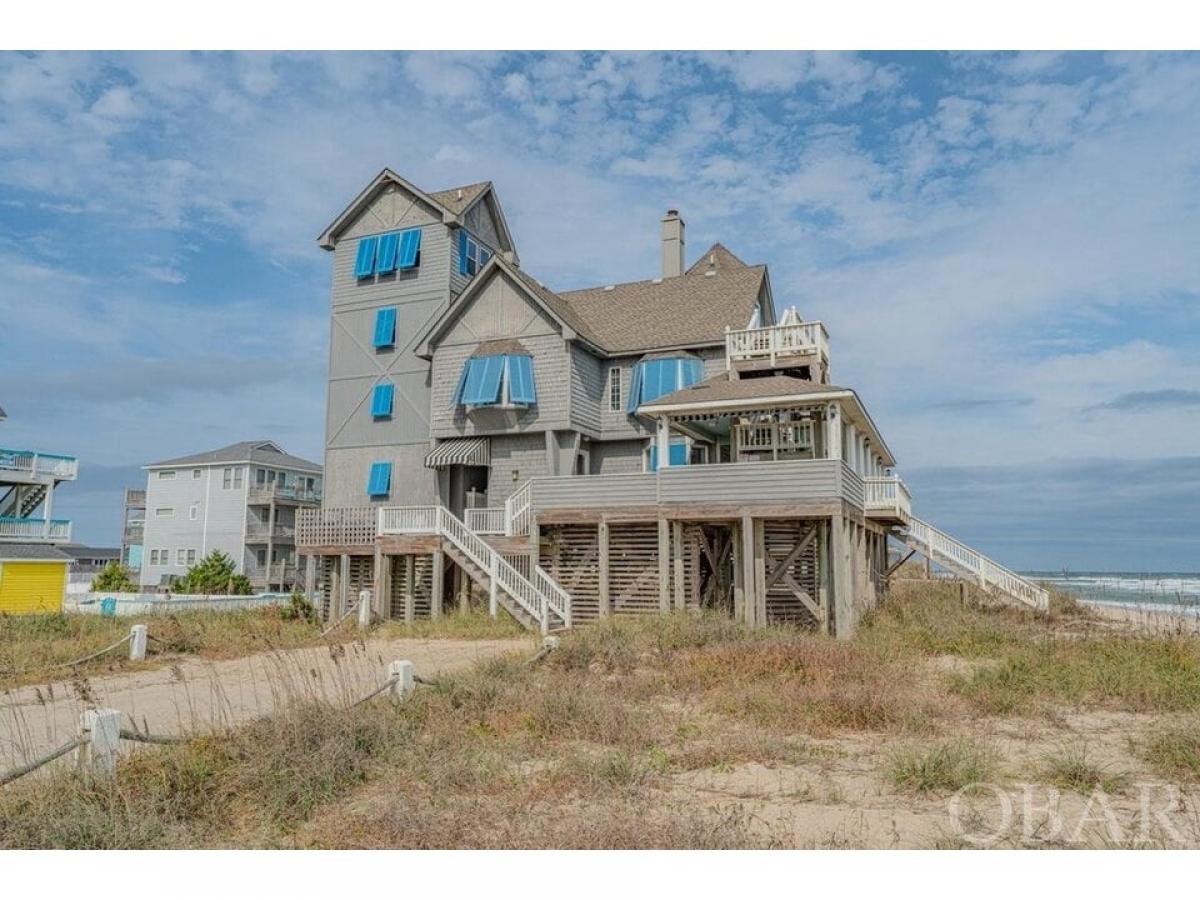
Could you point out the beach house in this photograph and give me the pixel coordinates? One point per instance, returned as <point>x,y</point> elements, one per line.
<point>666,444</point>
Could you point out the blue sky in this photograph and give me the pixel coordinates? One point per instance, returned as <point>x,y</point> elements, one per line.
<point>1003,247</point>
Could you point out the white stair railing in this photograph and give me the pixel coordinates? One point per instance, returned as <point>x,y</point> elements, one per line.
<point>542,598</point>
<point>941,547</point>
<point>486,520</point>
<point>518,509</point>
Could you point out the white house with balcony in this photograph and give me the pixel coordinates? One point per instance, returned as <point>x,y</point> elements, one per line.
<point>637,447</point>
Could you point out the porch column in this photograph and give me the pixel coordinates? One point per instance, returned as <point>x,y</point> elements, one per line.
<point>664,442</point>
<point>839,587</point>
<point>310,578</point>
<point>833,432</point>
<point>602,540</point>
<point>739,573</point>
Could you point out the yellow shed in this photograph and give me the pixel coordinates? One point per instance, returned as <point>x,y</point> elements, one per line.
<point>33,578</point>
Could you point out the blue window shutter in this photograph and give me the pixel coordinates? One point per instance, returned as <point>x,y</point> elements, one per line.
<point>635,389</point>
<point>484,256</point>
<point>381,401</point>
<point>473,379</point>
<point>410,246</point>
<point>364,263</point>
<point>462,251</point>
<point>520,380</point>
<point>487,385</point>
<point>379,484</point>
<point>385,327</point>
<point>693,372</point>
<point>679,454</point>
<point>462,383</point>
<point>654,457</point>
<point>387,252</point>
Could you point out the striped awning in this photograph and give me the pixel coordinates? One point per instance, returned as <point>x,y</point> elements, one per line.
<point>459,452</point>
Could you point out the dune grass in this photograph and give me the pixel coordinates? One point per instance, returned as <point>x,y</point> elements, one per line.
<point>1174,752</point>
<point>1071,768</point>
<point>34,648</point>
<point>941,768</point>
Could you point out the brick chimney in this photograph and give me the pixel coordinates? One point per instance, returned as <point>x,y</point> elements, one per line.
<point>672,244</point>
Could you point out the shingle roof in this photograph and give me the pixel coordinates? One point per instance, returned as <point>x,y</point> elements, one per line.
<point>31,551</point>
<point>559,305</point>
<point>450,198</point>
<point>720,387</point>
<point>81,551</point>
<point>719,256</point>
<point>265,452</point>
<point>501,346</point>
<point>689,309</point>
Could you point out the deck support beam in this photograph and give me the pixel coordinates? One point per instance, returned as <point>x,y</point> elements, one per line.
<point>664,566</point>
<point>838,587</point>
<point>343,593</point>
<point>677,548</point>
<point>746,567</point>
<point>603,564</point>
<point>378,583</point>
<point>439,572</point>
<point>410,588</point>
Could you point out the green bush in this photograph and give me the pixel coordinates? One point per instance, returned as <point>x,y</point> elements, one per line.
<point>114,577</point>
<point>213,575</point>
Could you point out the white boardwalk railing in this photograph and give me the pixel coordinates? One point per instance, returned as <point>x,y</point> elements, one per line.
<point>542,598</point>
<point>518,509</point>
<point>489,520</point>
<point>887,493</point>
<point>935,544</point>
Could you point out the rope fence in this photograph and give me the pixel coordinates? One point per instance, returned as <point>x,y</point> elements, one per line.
<point>101,733</point>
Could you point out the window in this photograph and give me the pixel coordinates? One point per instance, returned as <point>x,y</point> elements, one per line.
<point>231,477</point>
<point>614,389</point>
<point>679,453</point>
<point>227,478</point>
<point>194,512</point>
<point>154,557</point>
<point>195,474</point>
<point>191,557</point>
<point>181,557</point>
<point>505,380</point>
<point>381,402</point>
<point>654,378</point>
<point>385,327</point>
<point>472,255</point>
<point>166,475</point>
<point>164,512</point>
<point>379,483</point>
<point>382,254</point>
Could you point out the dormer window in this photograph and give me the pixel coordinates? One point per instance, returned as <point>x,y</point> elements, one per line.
<point>654,378</point>
<point>472,254</point>
<point>502,380</point>
<point>382,254</point>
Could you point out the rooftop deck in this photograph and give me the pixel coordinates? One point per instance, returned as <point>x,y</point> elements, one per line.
<point>775,342</point>
<point>31,466</point>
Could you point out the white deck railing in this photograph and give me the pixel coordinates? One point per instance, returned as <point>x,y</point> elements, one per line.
<point>489,520</point>
<point>941,547</point>
<point>887,493</point>
<point>777,340</point>
<point>518,509</point>
<point>336,526</point>
<point>542,599</point>
<point>32,463</point>
<point>15,529</point>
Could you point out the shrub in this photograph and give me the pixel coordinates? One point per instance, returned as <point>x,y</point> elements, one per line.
<point>214,575</point>
<point>945,767</point>
<point>114,577</point>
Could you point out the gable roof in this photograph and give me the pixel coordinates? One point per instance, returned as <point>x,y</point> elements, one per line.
<point>451,199</point>
<point>266,452</point>
<point>551,303</point>
<point>446,202</point>
<point>688,310</point>
<point>717,256</point>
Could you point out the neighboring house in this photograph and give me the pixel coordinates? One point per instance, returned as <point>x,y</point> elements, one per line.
<point>241,500</point>
<point>133,524</point>
<point>33,570</point>
<point>653,444</point>
<point>86,562</point>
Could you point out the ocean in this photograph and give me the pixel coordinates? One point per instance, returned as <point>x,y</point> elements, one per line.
<point>1169,590</point>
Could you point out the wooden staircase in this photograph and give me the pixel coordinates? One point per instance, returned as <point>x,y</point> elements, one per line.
<point>939,547</point>
<point>19,504</point>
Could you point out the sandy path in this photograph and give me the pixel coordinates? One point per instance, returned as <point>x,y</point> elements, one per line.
<point>193,694</point>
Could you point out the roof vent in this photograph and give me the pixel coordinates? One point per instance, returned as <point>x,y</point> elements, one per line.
<point>609,287</point>
<point>656,281</point>
<point>460,193</point>
<point>710,273</point>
